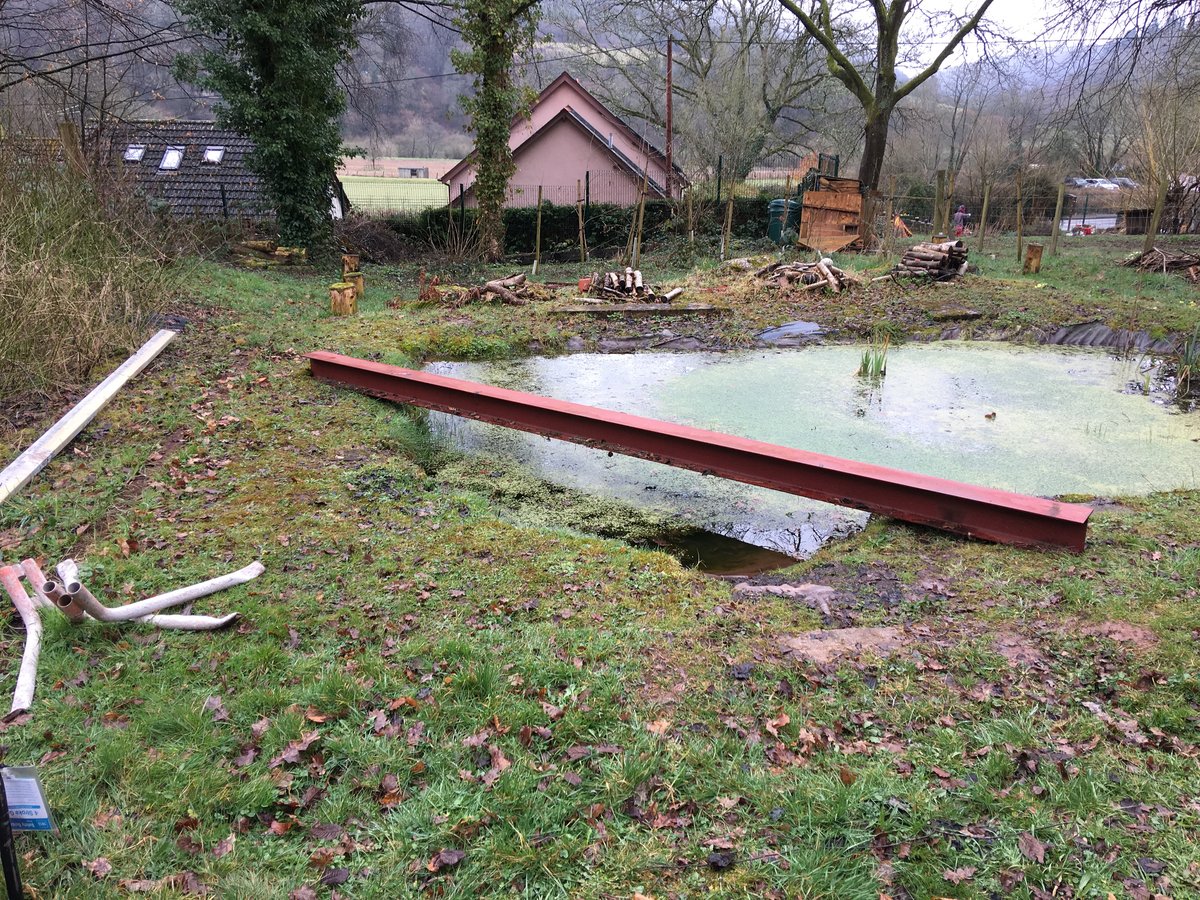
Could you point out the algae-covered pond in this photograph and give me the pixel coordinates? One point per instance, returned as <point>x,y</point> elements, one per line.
<point>1034,420</point>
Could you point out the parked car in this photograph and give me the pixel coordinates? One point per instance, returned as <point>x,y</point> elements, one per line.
<point>1126,183</point>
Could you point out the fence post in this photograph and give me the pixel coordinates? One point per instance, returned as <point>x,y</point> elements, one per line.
<point>579,213</point>
<point>983,216</point>
<point>587,196</point>
<point>939,203</point>
<point>462,209</point>
<point>720,162</point>
<point>1020,219</point>
<point>537,240</point>
<point>1054,226</point>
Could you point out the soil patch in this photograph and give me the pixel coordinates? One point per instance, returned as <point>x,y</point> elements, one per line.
<point>824,647</point>
<point>1122,632</point>
<point>1021,651</point>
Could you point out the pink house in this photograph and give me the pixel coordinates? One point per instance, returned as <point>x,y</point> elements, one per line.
<point>571,139</point>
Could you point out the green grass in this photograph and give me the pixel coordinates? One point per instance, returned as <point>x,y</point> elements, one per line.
<point>424,638</point>
<point>379,194</point>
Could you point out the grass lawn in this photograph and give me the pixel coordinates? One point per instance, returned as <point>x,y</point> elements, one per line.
<point>378,194</point>
<point>424,699</point>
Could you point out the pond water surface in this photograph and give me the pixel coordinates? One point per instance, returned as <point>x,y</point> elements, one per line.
<point>1033,420</point>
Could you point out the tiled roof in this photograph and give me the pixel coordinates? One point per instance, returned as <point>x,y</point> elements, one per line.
<point>197,189</point>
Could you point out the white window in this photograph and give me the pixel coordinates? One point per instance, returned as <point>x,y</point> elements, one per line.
<point>214,155</point>
<point>172,158</point>
<point>135,152</point>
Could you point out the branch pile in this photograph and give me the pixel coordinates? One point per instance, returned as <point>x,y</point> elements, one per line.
<point>1156,260</point>
<point>515,290</point>
<point>626,285</point>
<point>809,276</point>
<point>936,261</point>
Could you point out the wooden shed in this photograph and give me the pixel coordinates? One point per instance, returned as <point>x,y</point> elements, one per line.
<point>831,214</point>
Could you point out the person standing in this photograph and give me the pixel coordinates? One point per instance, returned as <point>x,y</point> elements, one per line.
<point>960,221</point>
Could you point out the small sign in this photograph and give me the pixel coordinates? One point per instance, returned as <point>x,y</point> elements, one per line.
<point>27,807</point>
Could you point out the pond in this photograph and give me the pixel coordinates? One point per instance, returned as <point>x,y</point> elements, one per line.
<point>1033,420</point>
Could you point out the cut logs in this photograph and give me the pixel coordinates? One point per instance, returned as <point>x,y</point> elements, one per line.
<point>515,290</point>
<point>343,298</point>
<point>625,284</point>
<point>809,276</point>
<point>267,254</point>
<point>937,261</point>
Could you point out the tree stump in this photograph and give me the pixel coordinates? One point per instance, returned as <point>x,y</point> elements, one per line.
<point>1033,259</point>
<point>343,301</point>
<point>350,263</point>
<point>356,279</point>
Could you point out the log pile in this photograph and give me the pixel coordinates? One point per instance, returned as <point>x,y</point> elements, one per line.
<point>626,285</point>
<point>268,254</point>
<point>808,276</point>
<point>1185,263</point>
<point>937,261</point>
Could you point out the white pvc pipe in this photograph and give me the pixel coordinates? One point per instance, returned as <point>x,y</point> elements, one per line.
<point>151,605</point>
<point>18,473</point>
<point>37,581</point>
<point>190,623</point>
<point>10,577</point>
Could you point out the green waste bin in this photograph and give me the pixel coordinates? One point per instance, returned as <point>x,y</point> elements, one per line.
<point>783,216</point>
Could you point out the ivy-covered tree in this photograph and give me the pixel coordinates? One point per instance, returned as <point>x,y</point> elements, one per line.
<point>496,32</point>
<point>274,63</point>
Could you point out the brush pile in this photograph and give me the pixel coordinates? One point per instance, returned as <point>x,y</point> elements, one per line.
<point>937,261</point>
<point>809,276</point>
<point>1156,260</point>
<point>515,290</point>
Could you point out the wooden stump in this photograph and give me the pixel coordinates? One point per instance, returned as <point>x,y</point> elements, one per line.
<point>1033,259</point>
<point>356,279</point>
<point>343,301</point>
<point>350,263</point>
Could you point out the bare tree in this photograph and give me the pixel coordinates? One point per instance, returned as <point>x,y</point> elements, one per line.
<point>747,80</point>
<point>874,80</point>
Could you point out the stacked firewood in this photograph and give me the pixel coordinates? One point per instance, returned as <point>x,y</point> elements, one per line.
<point>808,275</point>
<point>515,290</point>
<point>624,285</point>
<point>1156,260</point>
<point>936,261</point>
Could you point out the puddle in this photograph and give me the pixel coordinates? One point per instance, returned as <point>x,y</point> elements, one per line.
<point>716,554</point>
<point>1043,421</point>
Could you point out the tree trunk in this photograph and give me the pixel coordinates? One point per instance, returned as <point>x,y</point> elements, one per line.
<point>875,134</point>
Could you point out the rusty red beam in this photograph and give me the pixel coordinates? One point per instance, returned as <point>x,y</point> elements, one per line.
<point>965,509</point>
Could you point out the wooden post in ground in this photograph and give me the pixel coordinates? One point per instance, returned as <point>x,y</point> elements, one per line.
<point>537,240</point>
<point>342,299</point>
<point>691,223</point>
<point>889,241</point>
<point>1160,201</point>
<point>939,204</point>
<point>579,215</point>
<point>727,228</point>
<point>983,215</point>
<point>1033,259</point>
<point>350,263</point>
<point>1020,219</point>
<point>641,224</point>
<point>360,285</point>
<point>1054,226</point>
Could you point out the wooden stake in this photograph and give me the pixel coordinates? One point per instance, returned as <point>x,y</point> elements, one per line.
<point>1054,226</point>
<point>727,229</point>
<point>641,224</point>
<point>1020,219</point>
<point>691,220</point>
<point>983,215</point>
<point>579,215</point>
<point>939,203</point>
<point>537,241</point>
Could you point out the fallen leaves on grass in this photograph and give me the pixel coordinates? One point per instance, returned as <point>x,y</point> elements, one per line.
<point>958,876</point>
<point>100,866</point>
<point>294,749</point>
<point>445,859</point>
<point>499,763</point>
<point>1031,847</point>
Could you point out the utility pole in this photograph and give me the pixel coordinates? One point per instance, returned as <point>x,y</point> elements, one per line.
<point>670,167</point>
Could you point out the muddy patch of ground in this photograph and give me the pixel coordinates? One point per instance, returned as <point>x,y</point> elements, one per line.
<point>825,647</point>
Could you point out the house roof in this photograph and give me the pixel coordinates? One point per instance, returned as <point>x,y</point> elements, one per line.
<point>198,187</point>
<point>608,115</point>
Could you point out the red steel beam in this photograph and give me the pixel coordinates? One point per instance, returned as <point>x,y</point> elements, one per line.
<point>965,509</point>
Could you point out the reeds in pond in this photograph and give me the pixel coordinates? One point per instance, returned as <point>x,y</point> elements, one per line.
<point>874,358</point>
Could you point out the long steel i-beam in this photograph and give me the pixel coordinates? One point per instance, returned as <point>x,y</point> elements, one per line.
<point>965,509</point>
